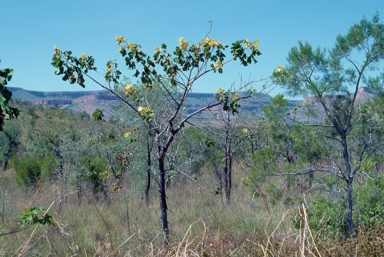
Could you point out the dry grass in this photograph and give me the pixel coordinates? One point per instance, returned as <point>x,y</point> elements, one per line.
<point>201,225</point>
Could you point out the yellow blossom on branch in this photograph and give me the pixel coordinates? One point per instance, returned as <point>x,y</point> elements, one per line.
<point>57,51</point>
<point>221,90</point>
<point>127,134</point>
<point>183,44</point>
<point>255,44</point>
<point>131,46</point>
<point>280,69</point>
<point>245,130</point>
<point>109,68</point>
<point>218,64</point>
<point>83,55</point>
<point>210,42</point>
<point>236,97</point>
<point>247,43</point>
<point>119,39</point>
<point>129,89</point>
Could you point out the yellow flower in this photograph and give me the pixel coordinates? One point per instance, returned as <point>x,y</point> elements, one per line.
<point>83,55</point>
<point>131,46</point>
<point>210,42</point>
<point>247,43</point>
<point>127,134</point>
<point>148,87</point>
<point>109,68</point>
<point>129,89</point>
<point>245,130</point>
<point>57,51</point>
<point>157,50</point>
<point>183,44</point>
<point>119,39</point>
<point>220,91</point>
<point>218,64</point>
<point>235,96</point>
<point>255,44</point>
<point>280,69</point>
<point>140,108</point>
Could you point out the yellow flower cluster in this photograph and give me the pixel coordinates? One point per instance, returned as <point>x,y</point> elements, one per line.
<point>221,90</point>
<point>211,42</point>
<point>235,96</point>
<point>255,44</point>
<point>57,51</point>
<point>127,134</point>
<point>183,44</point>
<point>247,43</point>
<point>84,56</point>
<point>143,110</point>
<point>131,46</point>
<point>218,64</point>
<point>148,87</point>
<point>109,67</point>
<point>157,50</point>
<point>119,39</point>
<point>280,69</point>
<point>129,89</point>
<point>245,130</point>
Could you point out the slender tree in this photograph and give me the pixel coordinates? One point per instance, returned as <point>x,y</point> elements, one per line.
<point>171,72</point>
<point>332,80</point>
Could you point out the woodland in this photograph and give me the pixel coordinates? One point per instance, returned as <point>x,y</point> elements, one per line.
<point>158,180</point>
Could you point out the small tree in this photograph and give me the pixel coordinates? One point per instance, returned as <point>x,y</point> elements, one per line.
<point>174,73</point>
<point>332,80</point>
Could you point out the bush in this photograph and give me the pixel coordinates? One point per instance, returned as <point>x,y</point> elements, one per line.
<point>327,217</point>
<point>28,170</point>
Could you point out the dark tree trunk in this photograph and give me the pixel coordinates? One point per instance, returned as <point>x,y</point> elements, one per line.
<point>148,184</point>
<point>228,163</point>
<point>350,207</point>
<point>349,188</point>
<point>163,200</point>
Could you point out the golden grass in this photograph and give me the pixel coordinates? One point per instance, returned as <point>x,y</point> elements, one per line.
<point>201,225</point>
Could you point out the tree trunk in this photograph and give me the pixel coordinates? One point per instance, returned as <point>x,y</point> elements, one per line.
<point>163,200</point>
<point>349,188</point>
<point>148,184</point>
<point>350,207</point>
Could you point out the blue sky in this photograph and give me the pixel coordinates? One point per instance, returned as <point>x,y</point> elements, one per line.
<point>30,29</point>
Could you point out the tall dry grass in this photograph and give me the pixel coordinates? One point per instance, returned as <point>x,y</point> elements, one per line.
<point>200,223</point>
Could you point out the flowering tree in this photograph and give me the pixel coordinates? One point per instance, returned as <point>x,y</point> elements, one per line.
<point>174,74</point>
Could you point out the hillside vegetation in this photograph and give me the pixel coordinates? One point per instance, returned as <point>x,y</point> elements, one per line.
<point>94,190</point>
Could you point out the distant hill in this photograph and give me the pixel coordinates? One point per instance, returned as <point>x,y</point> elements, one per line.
<point>88,101</point>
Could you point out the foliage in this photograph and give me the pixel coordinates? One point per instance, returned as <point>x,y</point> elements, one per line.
<point>327,214</point>
<point>29,169</point>
<point>6,111</point>
<point>98,115</point>
<point>97,174</point>
<point>32,216</point>
<point>10,141</point>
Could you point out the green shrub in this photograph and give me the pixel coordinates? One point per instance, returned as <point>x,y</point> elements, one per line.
<point>28,170</point>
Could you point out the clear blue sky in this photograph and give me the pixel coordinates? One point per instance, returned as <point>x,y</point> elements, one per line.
<point>30,29</point>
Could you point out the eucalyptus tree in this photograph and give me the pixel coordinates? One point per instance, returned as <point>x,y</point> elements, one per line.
<point>332,79</point>
<point>170,71</point>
